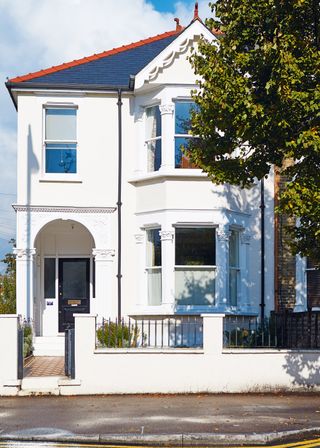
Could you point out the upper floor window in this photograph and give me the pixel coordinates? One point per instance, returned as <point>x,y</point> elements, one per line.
<point>182,126</point>
<point>153,138</point>
<point>60,140</point>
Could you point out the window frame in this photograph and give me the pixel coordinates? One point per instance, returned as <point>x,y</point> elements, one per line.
<point>196,267</point>
<point>310,299</point>
<point>236,269</point>
<point>147,141</point>
<point>184,136</point>
<point>153,268</point>
<point>74,176</point>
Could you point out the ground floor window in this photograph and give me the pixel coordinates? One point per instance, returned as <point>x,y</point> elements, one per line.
<point>153,267</point>
<point>234,268</point>
<point>313,284</point>
<point>49,278</point>
<point>195,265</point>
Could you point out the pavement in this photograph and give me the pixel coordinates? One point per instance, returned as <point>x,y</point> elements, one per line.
<point>167,420</point>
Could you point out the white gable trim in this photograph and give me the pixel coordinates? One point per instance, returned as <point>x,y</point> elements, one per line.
<point>179,46</point>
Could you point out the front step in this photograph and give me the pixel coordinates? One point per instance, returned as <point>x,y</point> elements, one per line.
<point>48,346</point>
<point>38,385</point>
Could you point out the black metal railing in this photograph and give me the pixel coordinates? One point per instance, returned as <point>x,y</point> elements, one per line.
<point>280,330</point>
<point>69,360</point>
<point>168,332</point>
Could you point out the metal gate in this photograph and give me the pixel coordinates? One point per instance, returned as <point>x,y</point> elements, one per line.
<point>69,360</point>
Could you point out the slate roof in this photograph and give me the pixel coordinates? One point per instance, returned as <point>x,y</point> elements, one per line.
<point>111,68</point>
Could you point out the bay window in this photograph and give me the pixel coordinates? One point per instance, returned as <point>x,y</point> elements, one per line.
<point>182,136</point>
<point>153,138</point>
<point>195,265</point>
<point>60,140</point>
<point>153,268</point>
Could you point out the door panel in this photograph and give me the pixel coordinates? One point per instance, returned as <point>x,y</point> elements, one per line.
<point>74,290</point>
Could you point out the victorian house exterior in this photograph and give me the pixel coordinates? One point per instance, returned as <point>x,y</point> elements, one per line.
<point>112,219</point>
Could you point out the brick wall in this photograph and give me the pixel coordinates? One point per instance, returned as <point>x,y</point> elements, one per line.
<point>285,262</point>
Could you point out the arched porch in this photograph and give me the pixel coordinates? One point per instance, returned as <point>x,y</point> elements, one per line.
<point>64,254</point>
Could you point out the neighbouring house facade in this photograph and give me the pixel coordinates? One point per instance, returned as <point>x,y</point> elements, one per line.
<point>112,219</point>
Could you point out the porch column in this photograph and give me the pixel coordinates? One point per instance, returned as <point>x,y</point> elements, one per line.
<point>167,131</point>
<point>105,305</point>
<point>245,301</point>
<point>168,280</point>
<point>222,255</point>
<point>24,281</point>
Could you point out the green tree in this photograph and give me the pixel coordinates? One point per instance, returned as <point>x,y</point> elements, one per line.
<point>8,284</point>
<point>259,104</point>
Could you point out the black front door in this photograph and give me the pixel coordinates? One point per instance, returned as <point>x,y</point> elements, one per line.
<point>74,290</point>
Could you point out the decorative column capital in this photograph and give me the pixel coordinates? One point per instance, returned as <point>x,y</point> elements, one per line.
<point>103,254</point>
<point>166,109</point>
<point>139,237</point>
<point>24,254</point>
<point>166,235</point>
<point>223,233</point>
<point>245,237</point>
<point>139,114</point>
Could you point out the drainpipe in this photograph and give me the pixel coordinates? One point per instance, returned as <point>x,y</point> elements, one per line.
<point>262,290</point>
<point>119,202</point>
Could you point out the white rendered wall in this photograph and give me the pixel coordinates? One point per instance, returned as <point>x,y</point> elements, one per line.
<point>8,354</point>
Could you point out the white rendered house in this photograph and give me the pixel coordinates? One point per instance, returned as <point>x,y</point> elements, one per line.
<point>111,217</point>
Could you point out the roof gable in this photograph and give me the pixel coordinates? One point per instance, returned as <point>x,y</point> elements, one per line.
<point>179,47</point>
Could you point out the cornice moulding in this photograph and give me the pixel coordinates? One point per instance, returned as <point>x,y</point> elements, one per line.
<point>62,209</point>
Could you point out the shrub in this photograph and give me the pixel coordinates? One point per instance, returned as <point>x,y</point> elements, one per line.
<point>27,340</point>
<point>118,335</point>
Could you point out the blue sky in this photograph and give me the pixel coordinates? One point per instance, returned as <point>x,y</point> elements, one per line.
<point>165,5</point>
<point>29,41</point>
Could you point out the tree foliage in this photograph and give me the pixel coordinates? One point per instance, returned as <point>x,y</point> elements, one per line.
<point>259,104</point>
<point>8,284</point>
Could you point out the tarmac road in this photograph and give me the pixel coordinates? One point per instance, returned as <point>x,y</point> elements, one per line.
<point>60,418</point>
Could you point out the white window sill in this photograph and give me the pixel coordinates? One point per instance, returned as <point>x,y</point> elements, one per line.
<point>61,178</point>
<point>175,173</point>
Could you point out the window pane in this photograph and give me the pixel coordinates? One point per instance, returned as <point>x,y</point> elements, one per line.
<point>233,286</point>
<point>234,249</point>
<point>153,122</point>
<point>49,278</point>
<point>195,286</point>
<point>153,248</point>
<point>61,124</point>
<point>61,158</point>
<point>154,155</point>
<point>182,116</point>
<point>195,247</point>
<point>75,284</point>
<point>182,160</point>
<point>154,286</point>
